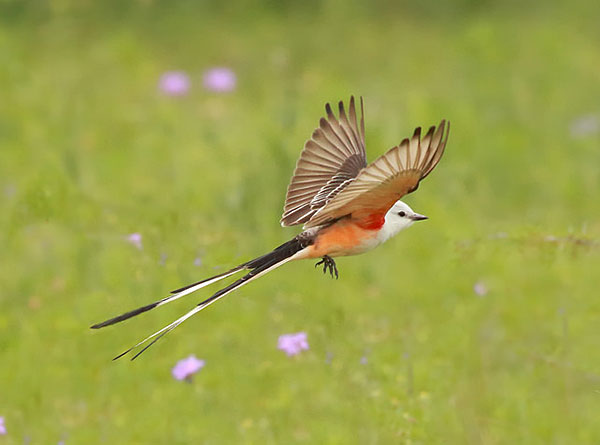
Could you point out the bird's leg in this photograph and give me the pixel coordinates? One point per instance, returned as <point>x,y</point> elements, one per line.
<point>328,263</point>
<point>333,268</point>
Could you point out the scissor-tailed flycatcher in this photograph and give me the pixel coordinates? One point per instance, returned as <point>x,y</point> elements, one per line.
<point>346,207</point>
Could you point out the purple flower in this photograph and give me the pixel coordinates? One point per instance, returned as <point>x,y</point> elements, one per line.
<point>219,79</point>
<point>480,289</point>
<point>292,344</point>
<point>10,190</point>
<point>135,239</point>
<point>163,259</point>
<point>2,426</point>
<point>174,83</point>
<point>187,367</point>
<point>586,125</point>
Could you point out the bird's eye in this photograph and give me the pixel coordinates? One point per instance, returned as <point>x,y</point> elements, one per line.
<point>402,214</point>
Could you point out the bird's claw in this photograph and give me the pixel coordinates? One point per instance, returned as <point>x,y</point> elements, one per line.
<point>328,263</point>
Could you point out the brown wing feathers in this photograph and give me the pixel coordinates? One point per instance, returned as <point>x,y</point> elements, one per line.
<point>332,179</point>
<point>391,176</point>
<point>334,154</point>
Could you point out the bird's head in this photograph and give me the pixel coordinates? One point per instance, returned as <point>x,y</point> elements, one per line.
<point>399,217</point>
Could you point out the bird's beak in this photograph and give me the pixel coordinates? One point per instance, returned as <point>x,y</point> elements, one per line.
<point>417,217</point>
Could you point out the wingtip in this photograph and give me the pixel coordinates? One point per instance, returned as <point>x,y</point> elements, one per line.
<point>447,133</point>
<point>445,126</point>
<point>362,116</point>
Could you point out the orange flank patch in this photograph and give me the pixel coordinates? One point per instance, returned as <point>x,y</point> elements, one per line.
<point>346,237</point>
<point>374,221</point>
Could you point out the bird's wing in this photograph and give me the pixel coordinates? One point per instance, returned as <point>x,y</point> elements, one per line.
<point>398,172</point>
<point>332,157</point>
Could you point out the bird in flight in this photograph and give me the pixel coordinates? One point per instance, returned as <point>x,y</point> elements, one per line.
<point>346,206</point>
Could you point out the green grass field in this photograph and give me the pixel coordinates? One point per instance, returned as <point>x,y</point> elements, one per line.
<point>402,348</point>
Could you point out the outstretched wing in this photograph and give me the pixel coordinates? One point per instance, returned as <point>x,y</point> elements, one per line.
<point>398,172</point>
<point>333,156</point>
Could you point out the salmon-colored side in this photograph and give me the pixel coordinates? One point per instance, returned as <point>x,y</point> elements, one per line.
<point>374,221</point>
<point>345,237</point>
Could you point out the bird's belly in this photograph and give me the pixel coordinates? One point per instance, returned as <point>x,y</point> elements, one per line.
<point>356,249</point>
<point>343,240</point>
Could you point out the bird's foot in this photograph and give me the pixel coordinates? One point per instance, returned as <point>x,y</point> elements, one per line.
<point>328,263</point>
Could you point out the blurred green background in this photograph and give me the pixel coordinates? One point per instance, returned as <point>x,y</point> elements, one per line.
<point>480,326</point>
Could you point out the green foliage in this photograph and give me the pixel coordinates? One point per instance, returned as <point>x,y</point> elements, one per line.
<point>91,151</point>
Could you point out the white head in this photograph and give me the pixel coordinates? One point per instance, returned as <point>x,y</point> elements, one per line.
<point>398,218</point>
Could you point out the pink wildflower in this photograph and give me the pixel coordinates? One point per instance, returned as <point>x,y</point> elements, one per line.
<point>292,344</point>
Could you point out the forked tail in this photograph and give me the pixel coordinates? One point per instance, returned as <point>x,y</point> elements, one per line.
<point>257,268</point>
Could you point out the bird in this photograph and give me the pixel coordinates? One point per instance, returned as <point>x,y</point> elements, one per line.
<point>346,206</point>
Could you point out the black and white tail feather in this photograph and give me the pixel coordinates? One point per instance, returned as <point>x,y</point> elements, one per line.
<point>257,267</point>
